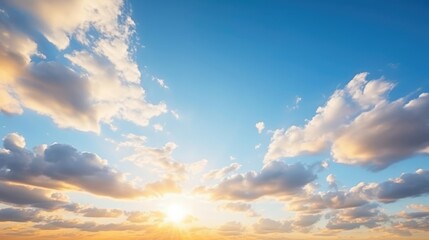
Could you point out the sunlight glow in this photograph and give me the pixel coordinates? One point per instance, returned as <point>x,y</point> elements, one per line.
<point>175,213</point>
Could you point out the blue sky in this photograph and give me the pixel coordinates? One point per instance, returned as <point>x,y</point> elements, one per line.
<point>161,100</point>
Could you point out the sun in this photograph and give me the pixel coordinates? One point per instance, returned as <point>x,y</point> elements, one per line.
<point>175,213</point>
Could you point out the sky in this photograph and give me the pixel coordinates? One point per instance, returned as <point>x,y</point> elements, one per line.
<point>214,119</point>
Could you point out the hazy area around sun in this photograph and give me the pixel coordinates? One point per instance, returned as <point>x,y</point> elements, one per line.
<point>175,213</point>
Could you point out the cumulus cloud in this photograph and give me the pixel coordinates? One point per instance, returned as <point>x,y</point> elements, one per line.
<point>60,166</point>
<point>160,158</point>
<point>360,126</point>
<point>221,173</point>
<point>407,185</point>
<point>331,181</point>
<point>275,179</point>
<point>368,215</point>
<point>260,127</point>
<point>76,91</point>
<point>20,215</point>
<point>239,207</point>
<point>24,196</point>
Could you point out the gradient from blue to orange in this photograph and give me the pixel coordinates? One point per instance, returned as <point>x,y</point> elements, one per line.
<point>229,65</point>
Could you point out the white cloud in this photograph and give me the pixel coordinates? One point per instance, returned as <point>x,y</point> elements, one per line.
<point>360,126</point>
<point>102,82</point>
<point>260,126</point>
<point>175,114</point>
<point>221,173</point>
<point>331,180</point>
<point>158,127</point>
<point>275,179</point>
<point>161,82</point>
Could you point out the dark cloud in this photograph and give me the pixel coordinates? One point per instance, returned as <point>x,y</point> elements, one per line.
<point>368,215</point>
<point>306,220</point>
<point>407,185</point>
<point>24,196</point>
<point>61,166</point>
<point>19,215</point>
<point>59,92</point>
<point>275,179</point>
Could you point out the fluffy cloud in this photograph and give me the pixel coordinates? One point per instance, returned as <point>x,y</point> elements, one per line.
<point>368,215</point>
<point>24,196</point>
<point>158,157</point>
<point>407,185</point>
<point>19,215</point>
<point>275,179</point>
<point>260,126</point>
<point>300,223</point>
<point>101,212</point>
<point>60,166</point>
<point>221,173</point>
<point>239,207</point>
<point>360,126</point>
<point>76,89</point>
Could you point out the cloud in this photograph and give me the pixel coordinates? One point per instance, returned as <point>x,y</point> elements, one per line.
<point>368,215</point>
<point>19,215</point>
<point>60,166</point>
<point>239,207</point>
<point>68,100</point>
<point>260,126</point>
<point>160,158</point>
<point>275,179</point>
<point>101,212</point>
<point>24,196</point>
<point>306,220</point>
<point>88,226</point>
<point>142,217</point>
<point>175,114</point>
<point>393,132</point>
<point>161,82</point>
<point>96,82</point>
<point>158,127</point>
<point>330,179</point>
<point>231,228</point>
<point>407,185</point>
<point>223,172</point>
<point>339,125</point>
<point>267,226</point>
